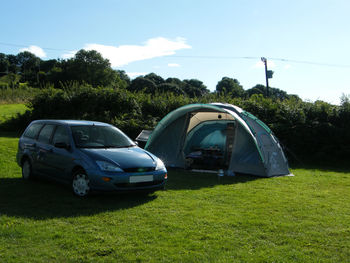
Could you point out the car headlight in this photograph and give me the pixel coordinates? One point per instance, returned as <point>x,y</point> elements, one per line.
<point>108,167</point>
<point>160,165</point>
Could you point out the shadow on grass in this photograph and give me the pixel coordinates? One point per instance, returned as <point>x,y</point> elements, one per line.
<point>15,126</point>
<point>185,180</point>
<point>41,199</point>
<point>8,134</point>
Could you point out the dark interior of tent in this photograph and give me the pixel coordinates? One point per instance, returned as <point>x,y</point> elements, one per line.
<point>209,140</point>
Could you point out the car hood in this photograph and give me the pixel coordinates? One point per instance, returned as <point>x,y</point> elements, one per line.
<point>131,157</point>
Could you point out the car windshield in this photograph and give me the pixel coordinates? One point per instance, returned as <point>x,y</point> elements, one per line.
<point>95,136</point>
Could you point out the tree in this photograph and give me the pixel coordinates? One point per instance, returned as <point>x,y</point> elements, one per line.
<point>195,88</point>
<point>273,92</point>
<point>29,65</point>
<point>123,76</point>
<point>175,81</point>
<point>170,87</point>
<point>89,67</point>
<point>4,64</point>
<point>47,65</point>
<point>142,84</point>
<point>257,89</point>
<point>13,62</point>
<point>155,78</point>
<point>230,86</point>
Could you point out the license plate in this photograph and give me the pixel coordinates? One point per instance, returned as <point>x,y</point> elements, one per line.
<point>140,179</point>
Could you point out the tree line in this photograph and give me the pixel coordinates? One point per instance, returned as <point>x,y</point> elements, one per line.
<point>91,68</point>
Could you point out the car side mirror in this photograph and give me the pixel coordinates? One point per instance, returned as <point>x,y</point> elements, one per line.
<point>136,142</point>
<point>62,145</point>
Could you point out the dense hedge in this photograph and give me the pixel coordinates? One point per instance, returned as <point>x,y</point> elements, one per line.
<point>309,131</point>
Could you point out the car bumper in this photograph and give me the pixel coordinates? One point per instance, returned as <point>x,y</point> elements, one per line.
<point>126,181</point>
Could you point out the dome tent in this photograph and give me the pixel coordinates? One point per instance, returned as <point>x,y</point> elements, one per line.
<point>218,135</point>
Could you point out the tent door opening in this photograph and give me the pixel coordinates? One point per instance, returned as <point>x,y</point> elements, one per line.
<point>209,141</point>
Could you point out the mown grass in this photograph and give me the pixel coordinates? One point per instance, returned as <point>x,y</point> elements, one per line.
<point>197,219</point>
<point>8,111</point>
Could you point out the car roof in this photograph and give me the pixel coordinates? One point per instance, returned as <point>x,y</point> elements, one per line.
<point>72,122</point>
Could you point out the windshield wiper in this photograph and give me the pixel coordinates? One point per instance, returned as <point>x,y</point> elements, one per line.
<point>106,146</point>
<point>122,146</point>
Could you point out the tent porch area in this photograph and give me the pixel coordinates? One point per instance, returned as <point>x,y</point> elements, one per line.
<point>209,140</point>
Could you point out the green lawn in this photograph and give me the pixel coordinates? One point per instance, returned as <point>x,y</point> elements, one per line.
<point>197,219</point>
<point>7,111</point>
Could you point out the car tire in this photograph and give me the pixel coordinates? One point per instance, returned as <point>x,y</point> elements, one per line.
<point>81,184</point>
<point>27,173</point>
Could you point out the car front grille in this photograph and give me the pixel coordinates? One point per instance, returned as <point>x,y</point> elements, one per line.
<point>139,169</point>
<point>136,185</point>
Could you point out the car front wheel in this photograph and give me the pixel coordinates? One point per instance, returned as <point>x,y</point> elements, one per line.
<point>27,170</point>
<point>81,184</point>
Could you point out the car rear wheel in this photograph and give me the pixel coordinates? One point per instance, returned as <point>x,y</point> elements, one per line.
<point>81,184</point>
<point>27,170</point>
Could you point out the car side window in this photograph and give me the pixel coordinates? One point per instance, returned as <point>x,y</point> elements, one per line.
<point>61,135</point>
<point>33,130</point>
<point>45,133</point>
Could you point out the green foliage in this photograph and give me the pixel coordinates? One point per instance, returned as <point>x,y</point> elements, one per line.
<point>230,86</point>
<point>142,84</point>
<point>157,80</point>
<point>153,84</point>
<point>17,95</point>
<point>195,88</point>
<point>89,67</point>
<point>4,64</point>
<point>312,132</point>
<point>273,92</point>
<point>10,80</point>
<point>86,67</point>
<point>29,66</point>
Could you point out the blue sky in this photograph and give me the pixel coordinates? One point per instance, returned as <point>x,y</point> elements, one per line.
<point>206,40</point>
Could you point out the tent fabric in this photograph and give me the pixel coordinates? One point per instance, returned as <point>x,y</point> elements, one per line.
<point>246,144</point>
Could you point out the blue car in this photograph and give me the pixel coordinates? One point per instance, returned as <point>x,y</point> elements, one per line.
<point>89,156</point>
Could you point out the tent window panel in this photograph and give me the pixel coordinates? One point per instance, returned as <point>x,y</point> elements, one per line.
<point>200,117</point>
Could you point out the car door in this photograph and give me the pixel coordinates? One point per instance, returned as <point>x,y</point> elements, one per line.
<point>43,148</point>
<point>60,159</point>
<point>28,143</point>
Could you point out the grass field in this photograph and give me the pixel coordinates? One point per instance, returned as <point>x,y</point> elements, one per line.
<point>7,111</point>
<point>197,219</point>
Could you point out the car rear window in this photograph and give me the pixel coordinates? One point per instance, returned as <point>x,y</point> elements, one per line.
<point>45,133</point>
<point>33,130</point>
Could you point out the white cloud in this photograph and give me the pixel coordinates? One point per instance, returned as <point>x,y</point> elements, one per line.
<point>37,51</point>
<point>70,54</point>
<point>125,54</point>
<point>287,66</point>
<point>173,65</point>
<point>135,74</point>
<point>260,64</point>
